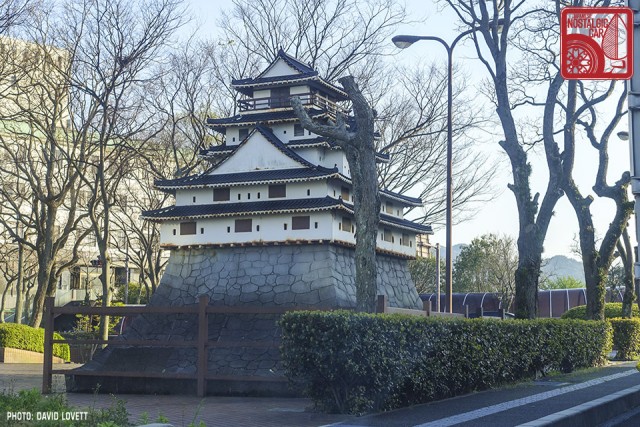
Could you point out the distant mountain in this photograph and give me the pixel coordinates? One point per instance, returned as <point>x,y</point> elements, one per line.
<point>455,251</point>
<point>562,266</point>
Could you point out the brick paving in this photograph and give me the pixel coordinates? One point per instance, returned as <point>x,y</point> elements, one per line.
<point>214,411</point>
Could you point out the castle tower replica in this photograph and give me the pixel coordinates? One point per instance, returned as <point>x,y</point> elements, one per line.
<point>270,223</point>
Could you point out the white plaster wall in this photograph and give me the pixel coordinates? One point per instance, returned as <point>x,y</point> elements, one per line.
<point>280,68</point>
<point>335,158</point>
<point>232,136</point>
<point>271,229</point>
<point>203,196</point>
<point>296,90</point>
<point>246,158</point>
<point>249,193</point>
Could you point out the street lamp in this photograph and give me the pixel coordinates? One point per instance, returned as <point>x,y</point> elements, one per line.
<point>404,42</point>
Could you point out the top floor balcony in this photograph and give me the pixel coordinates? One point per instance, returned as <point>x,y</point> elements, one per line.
<point>308,99</point>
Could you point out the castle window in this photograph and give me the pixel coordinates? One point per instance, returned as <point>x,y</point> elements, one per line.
<point>389,208</point>
<point>308,192</point>
<point>285,225</point>
<point>174,231</point>
<point>279,190</point>
<point>346,224</point>
<point>228,229</point>
<point>202,231</point>
<point>300,222</point>
<point>257,228</point>
<point>387,235</point>
<point>243,133</point>
<point>194,199</point>
<point>315,225</point>
<point>405,241</point>
<point>258,194</point>
<point>298,130</point>
<point>344,193</point>
<point>239,197</point>
<point>243,225</point>
<point>221,194</point>
<point>248,196</point>
<point>187,228</point>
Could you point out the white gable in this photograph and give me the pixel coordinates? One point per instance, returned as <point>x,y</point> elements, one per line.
<point>279,68</point>
<point>256,154</point>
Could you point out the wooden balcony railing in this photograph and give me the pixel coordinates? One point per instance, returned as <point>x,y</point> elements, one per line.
<point>310,99</point>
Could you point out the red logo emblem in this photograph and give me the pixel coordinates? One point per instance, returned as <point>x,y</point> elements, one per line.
<point>596,43</point>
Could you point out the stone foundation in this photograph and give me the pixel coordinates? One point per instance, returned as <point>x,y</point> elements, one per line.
<point>282,276</point>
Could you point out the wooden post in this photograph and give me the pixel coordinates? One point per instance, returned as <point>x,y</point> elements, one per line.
<point>426,306</point>
<point>203,337</point>
<point>381,304</point>
<point>47,365</point>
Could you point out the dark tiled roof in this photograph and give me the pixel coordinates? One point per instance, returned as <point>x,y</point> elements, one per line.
<point>251,82</point>
<point>218,149</point>
<point>413,201</point>
<point>248,119</point>
<point>253,177</point>
<point>293,62</point>
<point>269,207</point>
<point>247,208</point>
<point>405,223</point>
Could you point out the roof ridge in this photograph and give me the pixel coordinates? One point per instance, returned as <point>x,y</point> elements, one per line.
<point>294,62</point>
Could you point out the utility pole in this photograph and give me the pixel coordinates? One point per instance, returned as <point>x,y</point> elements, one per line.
<point>633,100</point>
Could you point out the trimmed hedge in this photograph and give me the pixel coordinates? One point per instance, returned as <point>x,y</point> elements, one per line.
<point>357,363</point>
<point>611,310</point>
<point>626,338</point>
<point>23,337</point>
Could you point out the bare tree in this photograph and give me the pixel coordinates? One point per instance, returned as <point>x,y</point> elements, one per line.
<point>114,45</point>
<point>357,142</point>
<point>39,148</point>
<point>412,122</point>
<point>334,37</point>
<point>13,13</point>
<point>625,252</point>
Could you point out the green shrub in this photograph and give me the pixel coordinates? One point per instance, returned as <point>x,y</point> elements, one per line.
<point>611,310</point>
<point>626,338</point>
<point>357,363</point>
<point>23,337</point>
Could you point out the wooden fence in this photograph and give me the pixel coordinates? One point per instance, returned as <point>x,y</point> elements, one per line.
<point>202,309</point>
<point>383,307</point>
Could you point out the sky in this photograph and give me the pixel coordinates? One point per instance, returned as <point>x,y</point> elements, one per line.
<point>500,215</point>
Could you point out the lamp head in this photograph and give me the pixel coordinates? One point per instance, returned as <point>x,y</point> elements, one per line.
<point>623,135</point>
<point>404,42</point>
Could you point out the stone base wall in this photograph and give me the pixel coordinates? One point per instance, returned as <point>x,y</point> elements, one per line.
<point>285,276</point>
<point>307,275</point>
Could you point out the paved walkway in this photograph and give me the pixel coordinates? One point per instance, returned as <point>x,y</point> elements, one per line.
<point>179,410</point>
<point>586,398</point>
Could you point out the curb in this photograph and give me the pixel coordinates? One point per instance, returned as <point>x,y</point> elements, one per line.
<point>591,413</point>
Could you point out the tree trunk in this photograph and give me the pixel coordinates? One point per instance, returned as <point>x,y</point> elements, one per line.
<point>19,284</point>
<point>366,210</point>
<point>357,142</point>
<point>626,255</point>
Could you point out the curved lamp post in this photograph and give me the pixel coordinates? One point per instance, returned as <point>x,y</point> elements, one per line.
<point>404,42</point>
